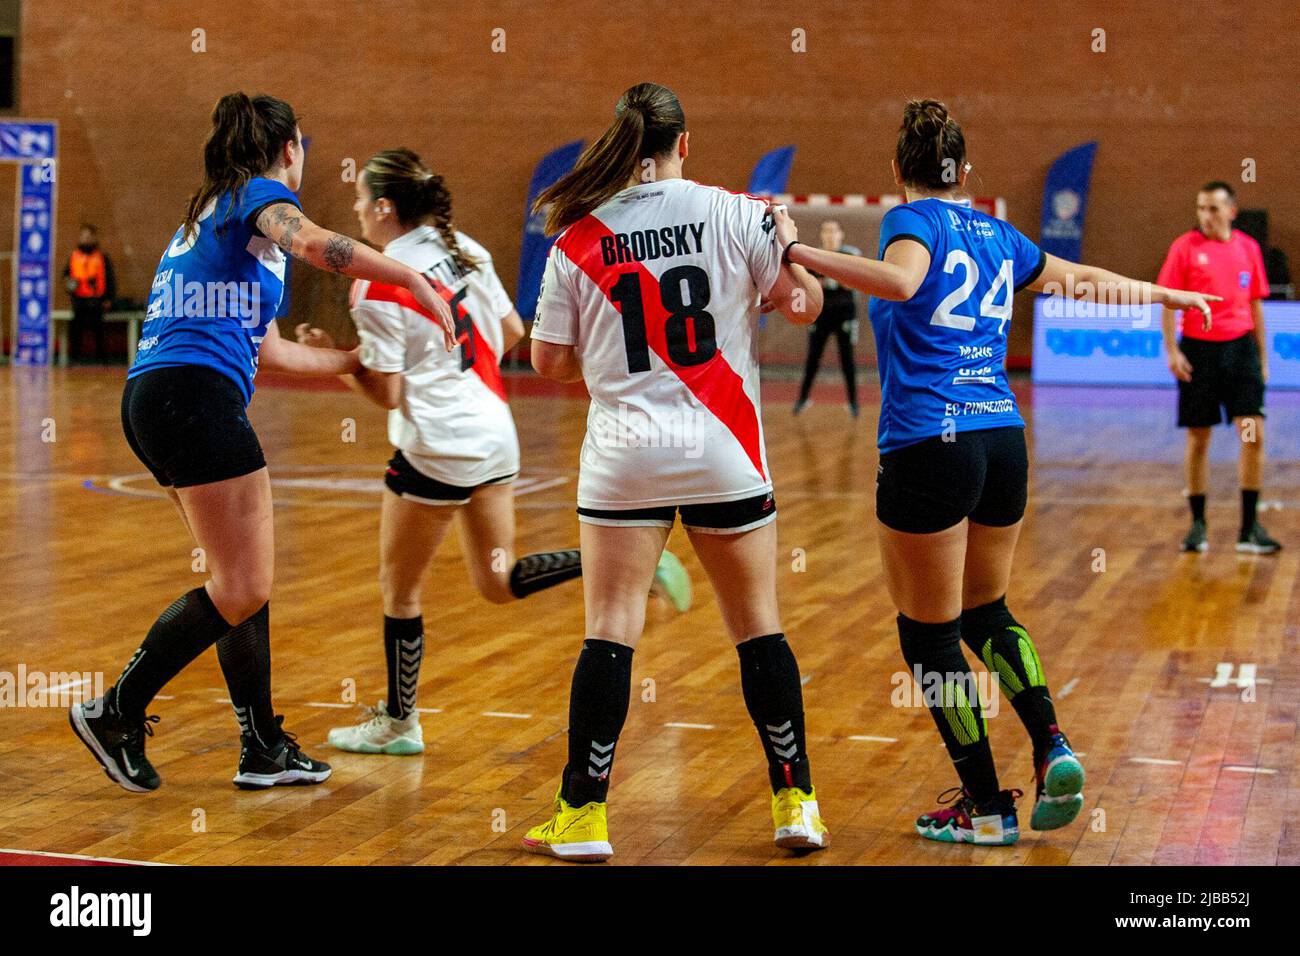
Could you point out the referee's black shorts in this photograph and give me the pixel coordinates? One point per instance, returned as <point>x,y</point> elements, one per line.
<point>188,425</point>
<point>1227,382</point>
<point>933,484</point>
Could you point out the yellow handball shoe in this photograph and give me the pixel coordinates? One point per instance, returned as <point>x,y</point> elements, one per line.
<point>579,834</point>
<point>797,820</point>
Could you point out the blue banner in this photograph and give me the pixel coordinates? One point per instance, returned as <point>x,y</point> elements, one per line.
<point>1065,200</point>
<point>25,142</point>
<point>33,145</point>
<point>536,244</point>
<point>772,172</point>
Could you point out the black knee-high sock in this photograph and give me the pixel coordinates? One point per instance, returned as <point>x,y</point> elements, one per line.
<point>769,680</point>
<point>245,656</point>
<point>403,649</point>
<point>950,693</point>
<point>182,632</point>
<point>537,572</point>
<point>602,686</point>
<point>1006,650</point>
<point>1249,506</point>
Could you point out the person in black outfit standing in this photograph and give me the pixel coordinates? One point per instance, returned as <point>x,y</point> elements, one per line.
<point>839,318</point>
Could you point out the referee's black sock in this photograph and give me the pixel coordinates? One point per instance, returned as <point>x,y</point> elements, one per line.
<point>598,700</point>
<point>403,651</point>
<point>537,572</point>
<point>769,680</point>
<point>182,632</point>
<point>950,694</point>
<point>1006,650</point>
<point>1249,507</point>
<point>245,656</point>
<point>1197,504</point>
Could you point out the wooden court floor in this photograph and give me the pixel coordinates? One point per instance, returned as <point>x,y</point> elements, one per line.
<point>1176,676</point>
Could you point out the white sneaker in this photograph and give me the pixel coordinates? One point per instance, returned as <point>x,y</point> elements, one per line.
<point>381,734</point>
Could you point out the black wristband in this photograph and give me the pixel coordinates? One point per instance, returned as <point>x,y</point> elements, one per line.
<point>785,255</point>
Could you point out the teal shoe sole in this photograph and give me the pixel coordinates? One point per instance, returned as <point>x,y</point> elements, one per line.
<point>1062,795</point>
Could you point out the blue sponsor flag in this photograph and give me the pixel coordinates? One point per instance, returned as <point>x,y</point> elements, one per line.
<point>772,172</point>
<point>1065,200</point>
<point>536,244</point>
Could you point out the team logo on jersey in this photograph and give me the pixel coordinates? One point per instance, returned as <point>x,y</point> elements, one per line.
<point>1243,279</point>
<point>1202,259</point>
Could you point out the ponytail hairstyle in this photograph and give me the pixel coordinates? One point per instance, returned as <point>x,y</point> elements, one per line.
<point>931,147</point>
<point>247,136</point>
<point>417,194</point>
<point>647,121</point>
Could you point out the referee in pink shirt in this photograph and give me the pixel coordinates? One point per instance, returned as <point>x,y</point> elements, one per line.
<point>1221,373</point>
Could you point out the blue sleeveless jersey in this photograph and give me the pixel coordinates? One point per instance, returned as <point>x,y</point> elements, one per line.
<point>941,352</point>
<point>214,295</point>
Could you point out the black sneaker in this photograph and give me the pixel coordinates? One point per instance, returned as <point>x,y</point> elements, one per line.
<point>1196,540</point>
<point>1256,541</point>
<point>118,744</point>
<point>282,764</point>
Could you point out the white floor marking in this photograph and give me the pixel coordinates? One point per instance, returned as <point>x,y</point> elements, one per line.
<point>805,679</point>
<point>164,697</point>
<point>222,700</point>
<point>312,703</point>
<point>1264,770</point>
<point>67,686</point>
<point>502,713</point>
<point>878,740</point>
<point>1156,761</point>
<point>673,723</point>
<point>1069,687</point>
<point>80,856</point>
<point>428,710</point>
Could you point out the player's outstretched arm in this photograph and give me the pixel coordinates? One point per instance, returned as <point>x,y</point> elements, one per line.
<point>286,225</point>
<point>278,355</point>
<point>1086,283</point>
<point>382,388</point>
<point>896,277</point>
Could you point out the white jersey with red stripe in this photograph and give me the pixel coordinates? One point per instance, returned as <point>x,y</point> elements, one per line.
<point>453,424</point>
<point>657,290</point>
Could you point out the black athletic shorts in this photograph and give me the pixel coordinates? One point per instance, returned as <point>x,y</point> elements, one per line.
<point>405,481</point>
<point>716,517</point>
<point>189,426</point>
<point>934,484</point>
<point>1227,382</point>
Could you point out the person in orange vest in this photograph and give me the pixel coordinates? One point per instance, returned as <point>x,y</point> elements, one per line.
<point>89,280</point>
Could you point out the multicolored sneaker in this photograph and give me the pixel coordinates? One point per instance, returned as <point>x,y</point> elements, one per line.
<point>578,834</point>
<point>1059,796</point>
<point>381,734</point>
<point>798,821</point>
<point>672,581</point>
<point>958,821</point>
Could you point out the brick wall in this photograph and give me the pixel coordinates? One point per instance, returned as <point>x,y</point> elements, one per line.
<point>1184,92</point>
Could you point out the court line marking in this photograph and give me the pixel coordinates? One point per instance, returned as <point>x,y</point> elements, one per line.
<point>673,723</point>
<point>428,710</point>
<point>82,856</point>
<point>869,737</point>
<point>506,714</point>
<point>803,681</point>
<point>1156,761</point>
<point>312,703</point>
<point>1253,680</point>
<point>1239,769</point>
<point>68,686</point>
<point>1070,685</point>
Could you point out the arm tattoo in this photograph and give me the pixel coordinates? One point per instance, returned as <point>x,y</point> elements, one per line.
<point>338,253</point>
<point>284,219</point>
